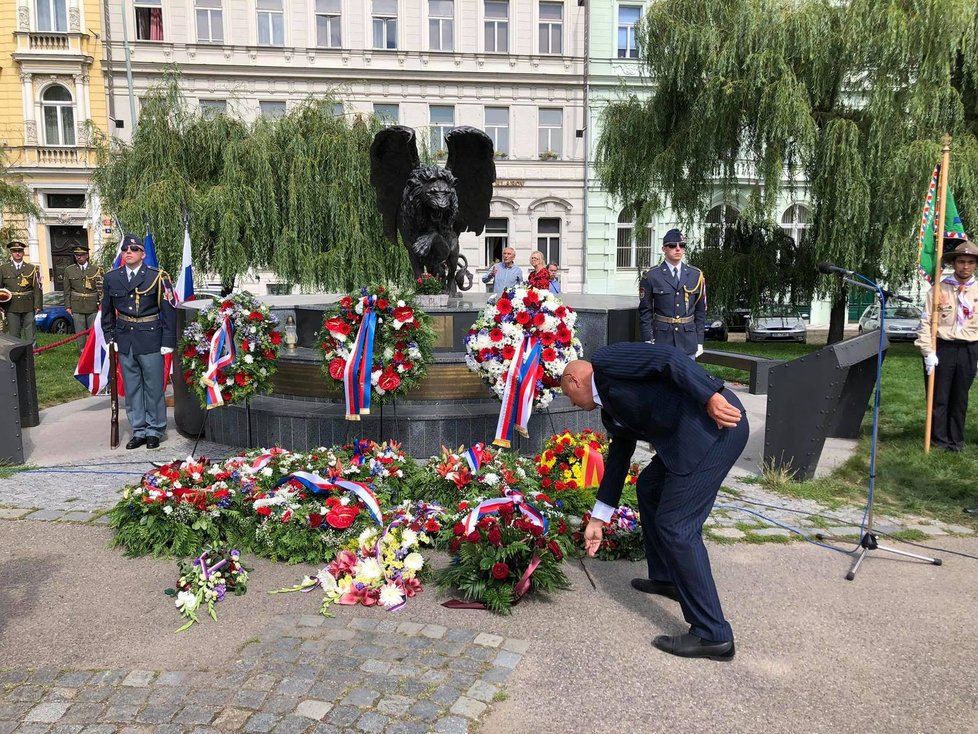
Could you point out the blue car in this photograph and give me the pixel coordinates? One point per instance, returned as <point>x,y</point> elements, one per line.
<point>54,317</point>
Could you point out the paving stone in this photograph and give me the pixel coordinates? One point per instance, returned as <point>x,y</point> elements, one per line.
<point>279,704</point>
<point>294,687</point>
<point>99,729</point>
<point>66,729</point>
<point>394,705</point>
<point>772,533</point>
<point>61,694</point>
<point>74,678</point>
<point>932,530</point>
<point>409,628</point>
<point>260,682</point>
<point>387,626</point>
<point>78,516</point>
<point>312,709</point>
<point>121,714</point>
<point>497,675</point>
<point>488,640</point>
<point>482,691</point>
<point>426,710</point>
<point>520,646</point>
<point>433,676</point>
<point>344,716</point>
<point>13,677</point>
<point>93,694</point>
<point>47,713</point>
<point>731,533</point>
<point>324,728</point>
<point>204,730</point>
<point>507,659</point>
<point>33,728</point>
<point>108,677</point>
<point>231,719</point>
<point>157,714</point>
<point>361,697</point>
<point>372,722</point>
<point>196,714</point>
<point>139,678</point>
<point>26,692</point>
<point>413,688</point>
<point>445,695</point>
<point>959,529</point>
<point>128,696</point>
<point>83,713</point>
<point>359,623</point>
<point>249,699</point>
<point>209,696</point>
<point>136,730</point>
<point>292,725</point>
<point>405,670</point>
<point>458,635</point>
<point>452,725</point>
<point>166,697</point>
<point>46,515</point>
<point>172,678</point>
<point>12,513</point>
<point>261,722</point>
<point>306,671</point>
<point>468,707</point>
<point>375,666</point>
<point>15,710</point>
<point>847,530</point>
<point>434,631</point>
<point>452,649</point>
<point>408,727</point>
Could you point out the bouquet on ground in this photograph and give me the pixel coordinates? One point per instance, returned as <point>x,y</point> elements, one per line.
<point>622,536</point>
<point>504,549</point>
<point>205,581</point>
<point>475,472</point>
<point>380,567</point>
<point>179,508</point>
<point>229,351</point>
<point>385,465</point>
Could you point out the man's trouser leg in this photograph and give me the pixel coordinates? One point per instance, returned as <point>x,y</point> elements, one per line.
<point>154,401</point>
<point>132,378</point>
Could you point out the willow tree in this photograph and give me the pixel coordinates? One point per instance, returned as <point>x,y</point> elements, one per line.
<point>291,195</point>
<point>16,201</point>
<point>855,96</point>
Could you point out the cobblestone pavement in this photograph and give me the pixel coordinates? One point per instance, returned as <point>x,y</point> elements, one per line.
<point>305,674</point>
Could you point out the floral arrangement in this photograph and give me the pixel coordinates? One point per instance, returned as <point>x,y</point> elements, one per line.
<point>504,557</point>
<point>179,508</point>
<point>402,341</point>
<point>428,285</point>
<point>561,463</point>
<point>449,478</point>
<point>383,464</point>
<point>497,332</point>
<point>256,345</point>
<point>622,536</point>
<point>378,568</point>
<point>205,581</point>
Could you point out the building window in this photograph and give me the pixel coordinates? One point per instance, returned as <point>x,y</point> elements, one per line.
<point>52,15</point>
<point>720,221</point>
<point>497,26</point>
<point>338,109</point>
<point>442,118</point>
<point>634,252</point>
<point>385,23</point>
<point>795,223</point>
<point>328,34</point>
<point>548,239</point>
<point>271,23</point>
<point>388,114</point>
<point>628,16</point>
<point>441,25</point>
<point>59,116</point>
<point>149,20</point>
<point>272,109</point>
<point>210,21</point>
<point>497,239</point>
<point>497,128</point>
<point>213,107</point>
<point>551,133</point>
<point>65,201</point>
<point>551,28</point>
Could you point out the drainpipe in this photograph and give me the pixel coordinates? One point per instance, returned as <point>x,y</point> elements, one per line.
<point>125,41</point>
<point>587,133</point>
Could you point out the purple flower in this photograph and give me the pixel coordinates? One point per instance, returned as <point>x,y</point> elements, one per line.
<point>221,589</point>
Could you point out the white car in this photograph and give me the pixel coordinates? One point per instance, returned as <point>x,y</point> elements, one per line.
<point>902,321</point>
<point>776,325</point>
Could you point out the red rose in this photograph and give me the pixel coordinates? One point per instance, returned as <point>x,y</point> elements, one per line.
<point>560,312</point>
<point>554,548</point>
<point>264,511</point>
<point>226,394</point>
<point>342,516</point>
<point>548,355</point>
<point>227,304</point>
<point>458,528</point>
<point>579,452</point>
<point>536,530</point>
<point>241,379</point>
<point>496,335</point>
<point>346,302</point>
<point>188,376</point>
<point>404,314</point>
<point>531,298</point>
<point>382,304</point>
<point>255,316</point>
<point>276,337</point>
<point>504,306</point>
<point>541,497</point>
<point>495,536</point>
<point>454,545</point>
<point>508,351</point>
<point>315,520</point>
<point>338,326</point>
<point>336,368</point>
<point>546,482</point>
<point>473,537</point>
<point>500,571</point>
<point>463,505</point>
<point>522,318</point>
<point>269,354</point>
<point>539,319</point>
<point>190,351</point>
<point>389,381</point>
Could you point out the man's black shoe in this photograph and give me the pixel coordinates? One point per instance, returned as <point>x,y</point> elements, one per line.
<point>136,442</point>
<point>662,588</point>
<point>971,510</point>
<point>691,646</point>
<point>153,442</point>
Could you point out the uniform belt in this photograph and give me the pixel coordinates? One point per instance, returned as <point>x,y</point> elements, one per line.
<point>21,293</point>
<point>139,319</point>
<point>674,319</point>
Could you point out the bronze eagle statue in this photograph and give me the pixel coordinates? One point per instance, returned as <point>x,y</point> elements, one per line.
<point>430,205</point>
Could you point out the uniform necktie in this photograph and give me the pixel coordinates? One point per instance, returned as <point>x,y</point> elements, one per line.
<point>675,276</point>
<point>130,275</point>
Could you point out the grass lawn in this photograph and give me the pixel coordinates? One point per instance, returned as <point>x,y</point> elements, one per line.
<point>907,480</point>
<point>55,372</point>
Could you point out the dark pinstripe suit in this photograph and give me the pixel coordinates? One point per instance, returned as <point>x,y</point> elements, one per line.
<point>655,393</point>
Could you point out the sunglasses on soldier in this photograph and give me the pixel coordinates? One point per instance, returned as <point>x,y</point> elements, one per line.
<point>674,245</point>
<point>134,248</point>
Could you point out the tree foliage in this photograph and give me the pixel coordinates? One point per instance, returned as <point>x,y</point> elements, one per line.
<point>15,199</point>
<point>291,195</point>
<point>855,96</point>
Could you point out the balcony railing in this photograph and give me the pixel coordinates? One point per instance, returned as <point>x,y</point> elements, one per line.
<point>48,42</point>
<point>48,156</point>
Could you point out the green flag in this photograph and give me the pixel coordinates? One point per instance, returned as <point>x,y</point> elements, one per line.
<point>953,229</point>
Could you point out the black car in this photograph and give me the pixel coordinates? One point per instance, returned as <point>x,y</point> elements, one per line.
<point>716,328</point>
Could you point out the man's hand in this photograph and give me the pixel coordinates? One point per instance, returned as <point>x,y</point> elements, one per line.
<point>699,350</point>
<point>722,412</point>
<point>930,362</point>
<point>593,534</point>
<point>115,346</point>
<point>166,350</point>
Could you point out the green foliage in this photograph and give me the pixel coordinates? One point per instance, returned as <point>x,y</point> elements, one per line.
<point>142,529</point>
<point>15,199</point>
<point>856,96</point>
<point>291,194</point>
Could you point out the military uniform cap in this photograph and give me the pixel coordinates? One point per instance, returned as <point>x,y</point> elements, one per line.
<point>131,240</point>
<point>12,246</point>
<point>673,236</point>
<point>965,248</point>
<point>78,249</point>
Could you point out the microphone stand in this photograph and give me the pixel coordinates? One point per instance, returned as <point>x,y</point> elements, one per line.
<point>868,541</point>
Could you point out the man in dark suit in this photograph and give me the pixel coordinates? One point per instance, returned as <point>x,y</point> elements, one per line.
<point>655,393</point>
<point>672,300</point>
<point>139,319</point>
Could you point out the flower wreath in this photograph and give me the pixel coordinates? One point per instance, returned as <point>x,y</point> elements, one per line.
<point>402,341</point>
<point>497,332</point>
<point>255,348</point>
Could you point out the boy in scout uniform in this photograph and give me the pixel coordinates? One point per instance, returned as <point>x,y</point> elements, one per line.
<point>139,319</point>
<point>83,291</point>
<point>672,300</point>
<point>23,280</point>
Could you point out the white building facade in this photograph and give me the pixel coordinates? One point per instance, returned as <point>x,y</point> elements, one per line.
<point>514,68</point>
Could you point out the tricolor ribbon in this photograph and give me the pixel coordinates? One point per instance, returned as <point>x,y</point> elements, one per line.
<point>510,498</point>
<point>221,356</point>
<point>262,461</point>
<point>521,388</point>
<point>317,485</point>
<point>356,373</point>
<point>474,456</point>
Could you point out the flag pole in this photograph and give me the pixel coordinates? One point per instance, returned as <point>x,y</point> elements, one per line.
<point>936,290</point>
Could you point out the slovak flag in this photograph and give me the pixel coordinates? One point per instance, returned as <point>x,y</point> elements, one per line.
<point>185,280</point>
<point>148,246</point>
<point>93,365</point>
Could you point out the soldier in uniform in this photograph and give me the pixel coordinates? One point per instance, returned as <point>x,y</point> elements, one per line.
<point>83,290</point>
<point>23,280</point>
<point>138,317</point>
<point>672,300</point>
<point>956,357</point>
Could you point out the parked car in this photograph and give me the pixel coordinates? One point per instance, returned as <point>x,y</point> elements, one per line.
<point>716,328</point>
<point>902,321</point>
<point>777,324</point>
<point>737,319</point>
<point>53,315</point>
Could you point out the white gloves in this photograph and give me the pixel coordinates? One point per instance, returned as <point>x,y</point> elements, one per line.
<point>166,350</point>
<point>930,362</point>
<point>115,346</point>
<point>699,350</point>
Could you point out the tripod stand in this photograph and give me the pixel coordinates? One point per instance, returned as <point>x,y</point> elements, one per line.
<point>868,542</point>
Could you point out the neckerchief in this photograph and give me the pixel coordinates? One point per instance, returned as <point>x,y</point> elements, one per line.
<point>964,305</point>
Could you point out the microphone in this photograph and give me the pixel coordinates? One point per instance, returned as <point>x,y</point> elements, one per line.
<point>890,295</point>
<point>829,269</point>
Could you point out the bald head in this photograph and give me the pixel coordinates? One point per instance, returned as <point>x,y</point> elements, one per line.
<point>575,383</point>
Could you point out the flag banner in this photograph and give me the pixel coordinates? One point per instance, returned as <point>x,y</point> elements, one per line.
<point>92,370</point>
<point>185,279</point>
<point>927,239</point>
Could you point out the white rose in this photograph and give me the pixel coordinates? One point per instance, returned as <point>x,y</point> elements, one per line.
<point>413,562</point>
<point>186,602</point>
<point>267,471</point>
<point>491,479</point>
<point>249,359</point>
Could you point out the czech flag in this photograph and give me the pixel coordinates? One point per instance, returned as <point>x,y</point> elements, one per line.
<point>93,365</point>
